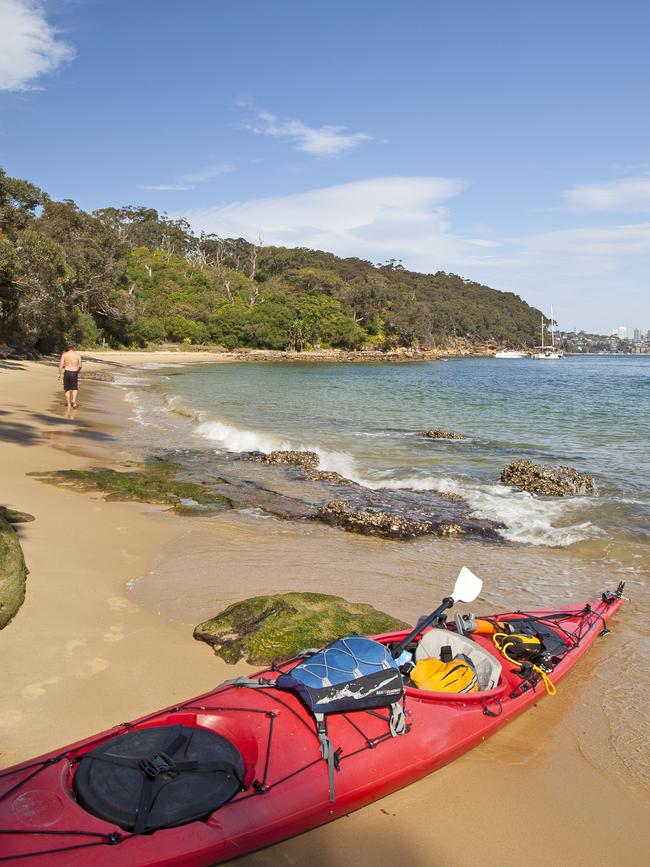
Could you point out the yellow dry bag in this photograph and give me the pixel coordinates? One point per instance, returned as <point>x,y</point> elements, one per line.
<point>437,676</point>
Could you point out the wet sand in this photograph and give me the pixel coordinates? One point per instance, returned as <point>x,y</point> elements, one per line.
<point>559,781</point>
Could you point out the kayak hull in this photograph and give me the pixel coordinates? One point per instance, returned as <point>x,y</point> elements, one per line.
<point>286,779</point>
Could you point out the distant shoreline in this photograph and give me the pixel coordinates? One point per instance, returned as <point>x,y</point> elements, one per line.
<point>189,355</point>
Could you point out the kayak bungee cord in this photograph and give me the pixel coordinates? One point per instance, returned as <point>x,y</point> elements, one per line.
<point>259,787</point>
<point>502,644</point>
<point>589,616</point>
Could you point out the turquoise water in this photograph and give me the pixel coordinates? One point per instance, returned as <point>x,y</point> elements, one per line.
<point>592,413</point>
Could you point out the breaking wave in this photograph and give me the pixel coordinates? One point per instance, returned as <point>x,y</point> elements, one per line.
<point>234,439</point>
<point>526,518</point>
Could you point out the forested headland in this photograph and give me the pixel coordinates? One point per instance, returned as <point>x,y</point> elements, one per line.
<point>132,277</point>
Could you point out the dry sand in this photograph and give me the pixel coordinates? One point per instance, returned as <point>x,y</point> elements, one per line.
<point>81,655</point>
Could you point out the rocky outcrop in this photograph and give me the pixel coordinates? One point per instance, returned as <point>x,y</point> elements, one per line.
<point>547,480</point>
<point>13,573</point>
<point>157,481</point>
<point>268,628</point>
<point>437,433</point>
<point>375,522</point>
<point>307,460</point>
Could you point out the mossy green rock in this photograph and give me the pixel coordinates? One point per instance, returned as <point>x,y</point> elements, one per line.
<point>267,628</point>
<point>154,482</point>
<point>14,517</point>
<point>13,573</point>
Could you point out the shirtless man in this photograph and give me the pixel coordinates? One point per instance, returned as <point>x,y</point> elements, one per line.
<point>69,366</point>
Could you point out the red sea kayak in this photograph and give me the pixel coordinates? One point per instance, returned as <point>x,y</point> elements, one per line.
<point>267,760</point>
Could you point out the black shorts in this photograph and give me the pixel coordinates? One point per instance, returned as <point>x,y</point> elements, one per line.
<point>70,380</point>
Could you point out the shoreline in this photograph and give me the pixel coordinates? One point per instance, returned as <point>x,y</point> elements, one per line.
<point>96,359</point>
<point>79,614</point>
<point>78,638</point>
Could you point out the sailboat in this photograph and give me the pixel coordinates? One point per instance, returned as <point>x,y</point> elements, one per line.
<point>510,353</point>
<point>546,352</point>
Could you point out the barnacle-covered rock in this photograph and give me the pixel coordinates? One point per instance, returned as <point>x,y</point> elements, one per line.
<point>305,459</point>
<point>547,480</point>
<point>437,433</point>
<point>375,522</point>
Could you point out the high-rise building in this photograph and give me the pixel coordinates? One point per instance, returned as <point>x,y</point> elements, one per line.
<point>620,332</point>
<point>637,334</point>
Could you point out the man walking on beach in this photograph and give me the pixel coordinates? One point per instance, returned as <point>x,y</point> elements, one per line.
<point>69,366</point>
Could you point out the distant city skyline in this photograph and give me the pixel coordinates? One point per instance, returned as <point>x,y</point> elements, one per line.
<point>487,140</point>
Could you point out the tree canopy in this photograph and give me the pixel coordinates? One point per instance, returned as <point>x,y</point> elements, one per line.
<point>133,277</point>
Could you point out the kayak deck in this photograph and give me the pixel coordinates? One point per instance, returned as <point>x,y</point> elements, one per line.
<point>285,781</point>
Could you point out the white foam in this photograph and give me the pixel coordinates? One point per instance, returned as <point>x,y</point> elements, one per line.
<point>527,518</point>
<point>235,439</point>
<point>336,462</point>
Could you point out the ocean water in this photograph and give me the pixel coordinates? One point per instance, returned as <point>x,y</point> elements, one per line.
<point>362,419</point>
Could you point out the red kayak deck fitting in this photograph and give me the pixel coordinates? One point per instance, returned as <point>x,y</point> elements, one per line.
<point>283,788</point>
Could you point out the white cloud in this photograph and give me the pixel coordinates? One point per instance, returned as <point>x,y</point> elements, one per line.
<point>590,274</point>
<point>189,180</point>
<point>625,194</point>
<point>207,174</point>
<point>322,141</point>
<point>361,218</point>
<point>29,47</point>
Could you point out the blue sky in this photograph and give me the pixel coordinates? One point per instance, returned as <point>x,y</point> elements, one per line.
<point>504,141</point>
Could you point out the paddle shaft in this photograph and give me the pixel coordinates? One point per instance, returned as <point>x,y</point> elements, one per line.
<point>447,602</point>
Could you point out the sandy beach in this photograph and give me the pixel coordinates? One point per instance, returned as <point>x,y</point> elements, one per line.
<point>84,653</point>
<point>79,656</point>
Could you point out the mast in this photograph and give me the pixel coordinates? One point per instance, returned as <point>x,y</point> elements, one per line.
<point>542,331</point>
<point>552,329</point>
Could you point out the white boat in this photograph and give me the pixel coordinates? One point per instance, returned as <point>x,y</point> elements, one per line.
<point>546,352</point>
<point>510,353</point>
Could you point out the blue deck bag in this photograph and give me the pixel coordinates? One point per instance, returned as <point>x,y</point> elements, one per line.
<point>352,673</point>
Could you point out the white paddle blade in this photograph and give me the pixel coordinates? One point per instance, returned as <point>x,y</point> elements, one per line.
<point>467,587</point>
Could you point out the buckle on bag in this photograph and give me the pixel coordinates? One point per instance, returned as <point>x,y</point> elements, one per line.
<point>159,763</point>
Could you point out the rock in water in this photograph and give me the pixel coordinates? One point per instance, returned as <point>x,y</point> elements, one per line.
<point>547,480</point>
<point>307,460</point>
<point>267,628</point>
<point>376,522</point>
<point>13,573</point>
<point>437,433</point>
